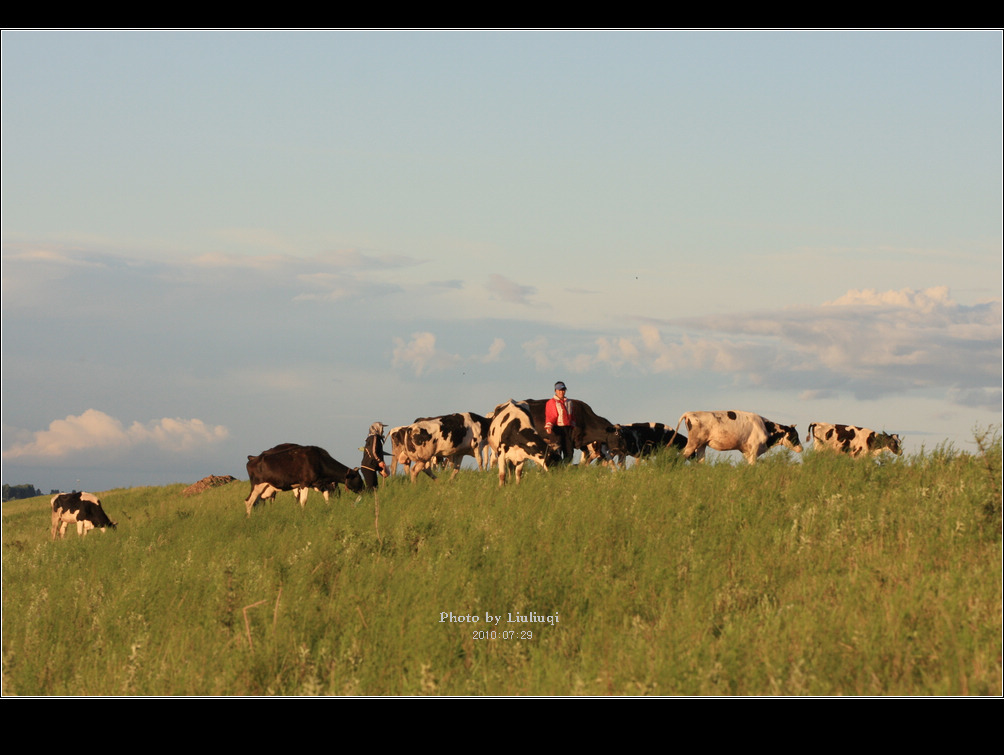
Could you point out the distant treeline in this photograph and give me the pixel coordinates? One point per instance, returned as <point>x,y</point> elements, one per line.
<point>13,492</point>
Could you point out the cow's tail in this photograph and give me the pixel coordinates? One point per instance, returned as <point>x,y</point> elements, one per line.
<point>808,432</point>
<point>676,430</point>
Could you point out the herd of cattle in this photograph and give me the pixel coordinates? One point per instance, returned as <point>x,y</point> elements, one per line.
<point>510,436</point>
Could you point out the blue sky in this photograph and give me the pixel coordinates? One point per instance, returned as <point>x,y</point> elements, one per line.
<point>214,242</point>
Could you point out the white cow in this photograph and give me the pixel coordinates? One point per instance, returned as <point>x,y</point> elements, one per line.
<point>735,431</point>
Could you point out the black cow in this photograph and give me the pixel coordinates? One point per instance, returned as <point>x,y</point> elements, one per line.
<point>643,439</point>
<point>290,466</point>
<point>82,509</point>
<point>592,434</point>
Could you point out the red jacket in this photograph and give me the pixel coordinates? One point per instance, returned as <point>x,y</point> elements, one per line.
<point>552,416</point>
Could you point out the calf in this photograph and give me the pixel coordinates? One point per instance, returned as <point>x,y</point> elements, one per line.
<point>82,509</point>
<point>848,439</point>
<point>746,432</point>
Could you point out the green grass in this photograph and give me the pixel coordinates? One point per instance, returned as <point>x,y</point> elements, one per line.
<point>829,577</point>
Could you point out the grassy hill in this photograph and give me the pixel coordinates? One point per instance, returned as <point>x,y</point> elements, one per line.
<point>829,577</point>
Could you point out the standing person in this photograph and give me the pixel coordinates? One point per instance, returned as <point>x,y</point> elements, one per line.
<point>559,421</point>
<point>373,453</point>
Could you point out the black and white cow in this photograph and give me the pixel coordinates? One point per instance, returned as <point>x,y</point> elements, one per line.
<point>856,441</point>
<point>467,431</point>
<point>290,466</point>
<point>735,431</point>
<point>448,438</point>
<point>593,435</point>
<point>82,509</point>
<point>641,439</point>
<point>514,440</point>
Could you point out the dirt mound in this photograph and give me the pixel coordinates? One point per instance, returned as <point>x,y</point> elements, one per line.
<point>213,481</point>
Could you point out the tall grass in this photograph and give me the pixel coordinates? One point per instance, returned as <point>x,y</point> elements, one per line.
<point>829,577</point>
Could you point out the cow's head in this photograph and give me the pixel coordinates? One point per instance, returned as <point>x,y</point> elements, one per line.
<point>615,440</point>
<point>890,442</point>
<point>535,447</point>
<point>354,481</point>
<point>784,435</point>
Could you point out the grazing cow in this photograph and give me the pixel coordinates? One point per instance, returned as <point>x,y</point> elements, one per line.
<point>514,440</point>
<point>290,466</point>
<point>643,439</point>
<point>735,431</point>
<point>855,441</point>
<point>82,509</point>
<point>589,435</point>
<point>299,493</point>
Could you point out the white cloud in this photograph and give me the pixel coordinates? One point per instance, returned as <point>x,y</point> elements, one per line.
<point>421,354</point>
<point>494,352</point>
<point>95,430</point>
<point>924,301</point>
<point>537,350</point>
<point>508,290</point>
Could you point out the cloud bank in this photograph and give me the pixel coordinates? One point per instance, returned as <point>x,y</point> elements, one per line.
<point>95,430</point>
<point>870,343</point>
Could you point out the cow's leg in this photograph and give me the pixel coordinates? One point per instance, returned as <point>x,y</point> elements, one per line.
<point>421,466</point>
<point>257,491</point>
<point>301,495</point>
<point>690,450</point>
<point>519,470</point>
<point>502,466</point>
<point>699,453</point>
<point>55,523</point>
